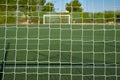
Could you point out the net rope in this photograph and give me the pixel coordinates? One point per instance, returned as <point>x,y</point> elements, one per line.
<point>85,48</point>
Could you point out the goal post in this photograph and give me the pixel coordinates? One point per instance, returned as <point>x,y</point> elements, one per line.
<point>55,19</point>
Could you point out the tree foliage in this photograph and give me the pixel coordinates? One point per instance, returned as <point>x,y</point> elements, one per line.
<point>29,9</point>
<point>24,5</point>
<point>98,15</point>
<point>42,2</point>
<point>109,16</point>
<point>30,5</point>
<point>11,5</point>
<point>48,7</point>
<point>74,6</point>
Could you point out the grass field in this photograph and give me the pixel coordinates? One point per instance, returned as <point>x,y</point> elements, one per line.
<point>61,52</point>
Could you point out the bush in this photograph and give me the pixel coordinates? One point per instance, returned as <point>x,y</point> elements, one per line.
<point>109,16</point>
<point>98,20</point>
<point>11,20</point>
<point>2,19</point>
<point>36,16</point>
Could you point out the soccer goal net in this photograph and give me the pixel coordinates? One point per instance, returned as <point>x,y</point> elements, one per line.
<point>59,39</point>
<point>56,19</point>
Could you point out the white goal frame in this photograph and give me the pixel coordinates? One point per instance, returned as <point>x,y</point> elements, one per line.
<point>69,20</point>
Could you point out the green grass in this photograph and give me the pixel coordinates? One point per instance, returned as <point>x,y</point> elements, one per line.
<point>63,45</point>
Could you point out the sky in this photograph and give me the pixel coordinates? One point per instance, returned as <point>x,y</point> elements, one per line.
<point>90,5</point>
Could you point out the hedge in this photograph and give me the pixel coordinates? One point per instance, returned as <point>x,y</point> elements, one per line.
<point>11,17</point>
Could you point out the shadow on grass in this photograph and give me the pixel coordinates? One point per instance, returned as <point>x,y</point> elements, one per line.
<point>4,60</point>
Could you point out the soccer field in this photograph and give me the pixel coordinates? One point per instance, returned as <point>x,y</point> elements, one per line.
<point>61,52</point>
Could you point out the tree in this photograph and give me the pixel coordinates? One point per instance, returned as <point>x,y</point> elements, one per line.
<point>42,2</point>
<point>2,5</point>
<point>26,6</point>
<point>74,6</point>
<point>98,17</point>
<point>48,7</point>
<point>86,17</point>
<point>11,5</point>
<point>109,16</point>
<point>117,16</point>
